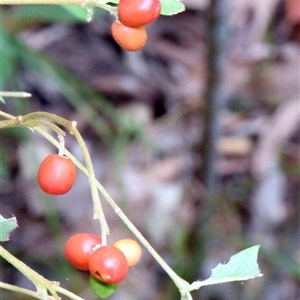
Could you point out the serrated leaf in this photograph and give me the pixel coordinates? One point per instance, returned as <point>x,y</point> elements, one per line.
<point>241,266</point>
<point>171,7</point>
<point>76,12</point>
<point>6,227</point>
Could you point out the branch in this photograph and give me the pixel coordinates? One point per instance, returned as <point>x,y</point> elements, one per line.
<point>85,3</point>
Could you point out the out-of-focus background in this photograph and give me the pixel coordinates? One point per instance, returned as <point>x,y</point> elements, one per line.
<point>196,137</point>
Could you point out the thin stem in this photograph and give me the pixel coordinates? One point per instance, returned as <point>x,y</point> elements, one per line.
<point>18,122</point>
<point>18,289</point>
<point>37,279</point>
<point>100,3</point>
<point>36,295</point>
<point>6,115</point>
<point>14,94</point>
<point>180,283</point>
<point>71,126</point>
<point>98,211</point>
<point>56,129</point>
<point>29,120</point>
<point>11,123</point>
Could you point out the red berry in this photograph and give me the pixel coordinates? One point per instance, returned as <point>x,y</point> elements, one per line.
<point>79,248</point>
<point>135,13</point>
<point>56,174</point>
<point>108,264</point>
<point>131,249</point>
<point>129,38</point>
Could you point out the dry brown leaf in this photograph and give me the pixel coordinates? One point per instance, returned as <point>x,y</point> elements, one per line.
<point>230,145</point>
<point>168,169</point>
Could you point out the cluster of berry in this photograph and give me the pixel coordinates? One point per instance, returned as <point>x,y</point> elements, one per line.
<point>129,30</point>
<point>107,264</point>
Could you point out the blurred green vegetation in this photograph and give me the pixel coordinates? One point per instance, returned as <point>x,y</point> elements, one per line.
<point>102,116</point>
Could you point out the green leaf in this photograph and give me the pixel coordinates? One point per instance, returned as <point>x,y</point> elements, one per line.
<point>168,7</point>
<point>171,7</point>
<point>241,266</point>
<point>102,289</point>
<point>77,12</point>
<point>6,227</point>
